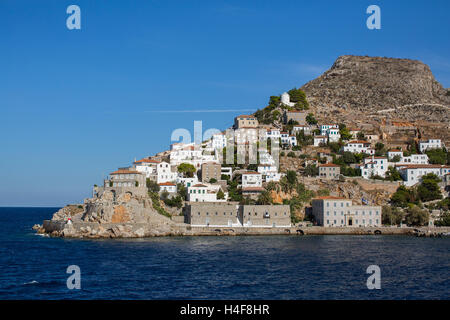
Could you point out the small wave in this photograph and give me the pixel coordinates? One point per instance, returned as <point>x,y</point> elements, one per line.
<point>31,283</point>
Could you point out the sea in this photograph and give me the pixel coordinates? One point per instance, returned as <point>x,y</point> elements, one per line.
<point>217,267</point>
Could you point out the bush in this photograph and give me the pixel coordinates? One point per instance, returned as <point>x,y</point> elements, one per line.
<point>291,154</point>
<point>152,185</point>
<point>416,216</point>
<point>428,189</point>
<point>437,156</point>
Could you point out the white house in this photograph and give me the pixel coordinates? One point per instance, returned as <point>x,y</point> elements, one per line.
<point>146,166</point>
<point>251,179</point>
<point>187,181</point>
<point>265,158</point>
<point>429,144</point>
<point>333,134</point>
<point>318,140</point>
<point>412,173</point>
<point>374,166</point>
<point>395,152</point>
<point>286,100</point>
<point>273,133</point>
<point>307,130</point>
<point>325,127</point>
<point>218,141</point>
<point>205,193</point>
<point>357,146</point>
<point>167,186</point>
<point>164,173</point>
<point>414,159</point>
<point>192,155</point>
<point>332,211</point>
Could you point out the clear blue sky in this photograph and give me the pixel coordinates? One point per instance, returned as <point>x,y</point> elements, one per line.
<point>76,104</point>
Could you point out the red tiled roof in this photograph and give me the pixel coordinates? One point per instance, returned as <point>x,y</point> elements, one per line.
<point>123,171</point>
<point>424,166</point>
<point>359,141</point>
<point>200,186</point>
<point>251,172</point>
<point>166,184</point>
<point>329,198</point>
<point>147,160</point>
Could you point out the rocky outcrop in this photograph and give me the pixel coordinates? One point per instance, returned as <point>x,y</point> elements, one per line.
<point>111,216</point>
<point>361,91</point>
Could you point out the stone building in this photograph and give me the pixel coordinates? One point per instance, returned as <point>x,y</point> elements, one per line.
<point>245,121</point>
<point>123,181</point>
<point>329,171</point>
<point>330,211</point>
<point>211,170</point>
<point>231,214</point>
<point>298,116</point>
<point>212,214</point>
<point>265,215</point>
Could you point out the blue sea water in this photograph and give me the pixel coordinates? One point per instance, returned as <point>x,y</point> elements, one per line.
<point>257,267</point>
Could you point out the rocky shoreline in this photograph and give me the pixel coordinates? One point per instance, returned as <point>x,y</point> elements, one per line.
<point>117,230</point>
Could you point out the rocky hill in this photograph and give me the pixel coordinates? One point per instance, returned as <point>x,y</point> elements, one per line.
<point>374,83</point>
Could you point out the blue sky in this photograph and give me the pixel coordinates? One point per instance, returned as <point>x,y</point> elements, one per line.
<point>76,104</point>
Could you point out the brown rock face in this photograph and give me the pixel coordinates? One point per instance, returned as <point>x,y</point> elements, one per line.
<point>120,215</point>
<point>375,83</point>
<point>367,92</point>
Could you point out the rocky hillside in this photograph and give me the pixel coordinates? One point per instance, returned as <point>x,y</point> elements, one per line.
<point>368,85</point>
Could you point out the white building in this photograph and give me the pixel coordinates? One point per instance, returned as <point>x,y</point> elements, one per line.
<point>307,130</point>
<point>146,166</point>
<point>374,166</point>
<point>332,211</point>
<point>265,158</point>
<point>333,135</point>
<point>318,140</point>
<point>395,152</point>
<point>187,181</point>
<point>218,141</point>
<point>251,179</point>
<point>286,100</point>
<point>357,146</point>
<point>167,186</point>
<point>164,173</point>
<point>414,159</point>
<point>429,144</point>
<point>412,173</point>
<point>205,193</point>
<point>325,127</point>
<point>273,133</point>
<point>192,155</point>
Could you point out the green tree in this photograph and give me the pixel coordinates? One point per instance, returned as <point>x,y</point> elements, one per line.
<point>220,195</point>
<point>152,185</point>
<point>401,197</point>
<point>379,149</point>
<point>437,156</point>
<point>360,136</point>
<point>298,97</point>
<point>392,174</point>
<point>264,198</point>
<point>291,177</point>
<point>311,170</point>
<point>429,189</point>
<point>396,158</point>
<point>416,216</point>
<point>187,169</point>
<point>344,132</point>
<point>348,157</point>
<point>310,119</point>
<point>391,215</point>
